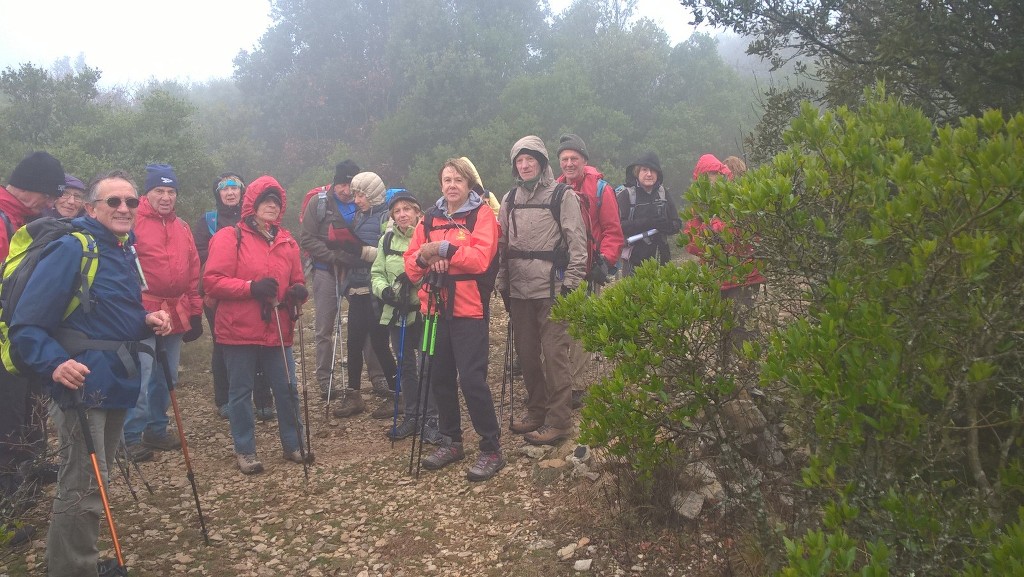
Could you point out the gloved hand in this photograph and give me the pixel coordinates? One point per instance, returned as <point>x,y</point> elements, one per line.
<point>296,294</point>
<point>505,300</point>
<point>196,330</point>
<point>402,279</point>
<point>598,271</point>
<point>352,248</point>
<point>334,244</point>
<point>566,290</point>
<point>264,289</point>
<point>388,296</point>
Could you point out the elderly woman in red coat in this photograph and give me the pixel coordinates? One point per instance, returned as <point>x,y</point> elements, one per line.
<point>254,273</point>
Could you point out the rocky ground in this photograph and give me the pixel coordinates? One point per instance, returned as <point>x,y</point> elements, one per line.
<point>362,513</point>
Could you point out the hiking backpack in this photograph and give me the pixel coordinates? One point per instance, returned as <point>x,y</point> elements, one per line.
<point>485,281</point>
<point>26,249</point>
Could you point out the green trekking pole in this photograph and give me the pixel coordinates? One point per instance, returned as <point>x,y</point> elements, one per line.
<point>429,339</point>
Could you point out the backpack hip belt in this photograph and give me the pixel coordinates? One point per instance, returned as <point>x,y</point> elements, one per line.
<point>75,342</point>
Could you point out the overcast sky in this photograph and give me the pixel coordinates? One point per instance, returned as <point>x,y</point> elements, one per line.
<point>131,41</point>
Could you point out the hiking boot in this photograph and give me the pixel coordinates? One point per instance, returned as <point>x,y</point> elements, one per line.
<point>351,404</point>
<point>138,452</point>
<point>266,414</point>
<point>108,568</point>
<point>526,425</point>
<point>547,435</point>
<point>19,535</point>
<point>248,464</point>
<point>164,442</point>
<point>381,388</point>
<point>296,456</point>
<point>487,465</point>
<point>45,474</point>
<point>577,399</point>
<point>223,411</point>
<point>386,409</point>
<point>444,455</point>
<point>406,428</point>
<point>336,393</point>
<point>431,434</point>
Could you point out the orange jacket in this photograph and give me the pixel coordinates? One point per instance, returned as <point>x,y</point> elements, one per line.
<point>473,253</point>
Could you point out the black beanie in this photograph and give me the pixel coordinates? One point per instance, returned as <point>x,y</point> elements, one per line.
<point>572,142</point>
<point>268,194</point>
<point>535,154</point>
<point>39,172</point>
<point>344,172</point>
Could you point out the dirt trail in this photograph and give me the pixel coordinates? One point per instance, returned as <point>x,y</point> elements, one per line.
<point>360,513</point>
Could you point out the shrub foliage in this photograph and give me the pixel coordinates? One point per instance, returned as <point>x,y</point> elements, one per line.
<point>893,252</point>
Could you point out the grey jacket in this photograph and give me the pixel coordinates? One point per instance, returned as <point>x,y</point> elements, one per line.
<point>526,229</point>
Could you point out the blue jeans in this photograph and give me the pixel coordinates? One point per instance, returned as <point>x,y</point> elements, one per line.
<point>241,362</point>
<point>150,412</point>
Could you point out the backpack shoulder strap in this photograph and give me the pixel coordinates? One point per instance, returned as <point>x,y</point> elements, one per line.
<point>601,183</point>
<point>211,221</point>
<point>321,205</point>
<point>8,225</point>
<point>87,272</point>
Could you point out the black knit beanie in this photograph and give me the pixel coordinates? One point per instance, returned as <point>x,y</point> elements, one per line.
<point>39,172</point>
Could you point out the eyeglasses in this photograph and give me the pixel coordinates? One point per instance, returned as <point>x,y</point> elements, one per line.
<point>115,201</point>
<point>78,196</point>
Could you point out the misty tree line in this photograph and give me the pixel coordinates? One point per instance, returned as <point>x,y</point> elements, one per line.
<point>399,87</point>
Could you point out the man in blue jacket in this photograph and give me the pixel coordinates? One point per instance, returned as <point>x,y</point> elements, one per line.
<point>92,355</point>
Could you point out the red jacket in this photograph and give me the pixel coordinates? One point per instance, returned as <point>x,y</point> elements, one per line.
<point>170,262</point>
<point>17,213</point>
<point>604,225</point>
<point>473,256</point>
<point>234,263</point>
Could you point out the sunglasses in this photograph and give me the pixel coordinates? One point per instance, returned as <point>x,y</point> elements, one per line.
<point>115,201</point>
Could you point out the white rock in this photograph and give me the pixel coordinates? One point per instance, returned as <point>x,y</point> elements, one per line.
<point>582,564</point>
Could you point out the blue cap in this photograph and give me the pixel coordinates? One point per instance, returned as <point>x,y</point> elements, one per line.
<point>160,175</point>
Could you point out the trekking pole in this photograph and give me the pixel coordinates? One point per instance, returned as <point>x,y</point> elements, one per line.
<point>429,338</point>
<point>305,392</point>
<point>505,374</point>
<point>91,448</point>
<point>161,354</point>
<point>512,381</point>
<point>138,470</point>
<point>334,346</point>
<point>295,409</point>
<point>123,467</point>
<point>402,297</point>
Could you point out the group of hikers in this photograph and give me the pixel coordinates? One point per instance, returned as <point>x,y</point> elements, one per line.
<point>105,310</point>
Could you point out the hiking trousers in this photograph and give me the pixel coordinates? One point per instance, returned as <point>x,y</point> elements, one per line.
<point>543,349</point>
<point>71,549</point>
<point>326,303</point>
<point>460,360</point>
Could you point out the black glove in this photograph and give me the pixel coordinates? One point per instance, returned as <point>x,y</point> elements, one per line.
<point>599,273</point>
<point>505,300</point>
<point>297,294</point>
<point>565,291</point>
<point>334,244</point>
<point>388,296</point>
<point>196,330</point>
<point>264,289</point>
<point>403,279</point>
<point>352,248</point>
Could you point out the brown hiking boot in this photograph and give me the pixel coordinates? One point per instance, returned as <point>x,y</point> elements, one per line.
<point>526,425</point>
<point>248,464</point>
<point>386,409</point>
<point>351,404</point>
<point>547,435</point>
